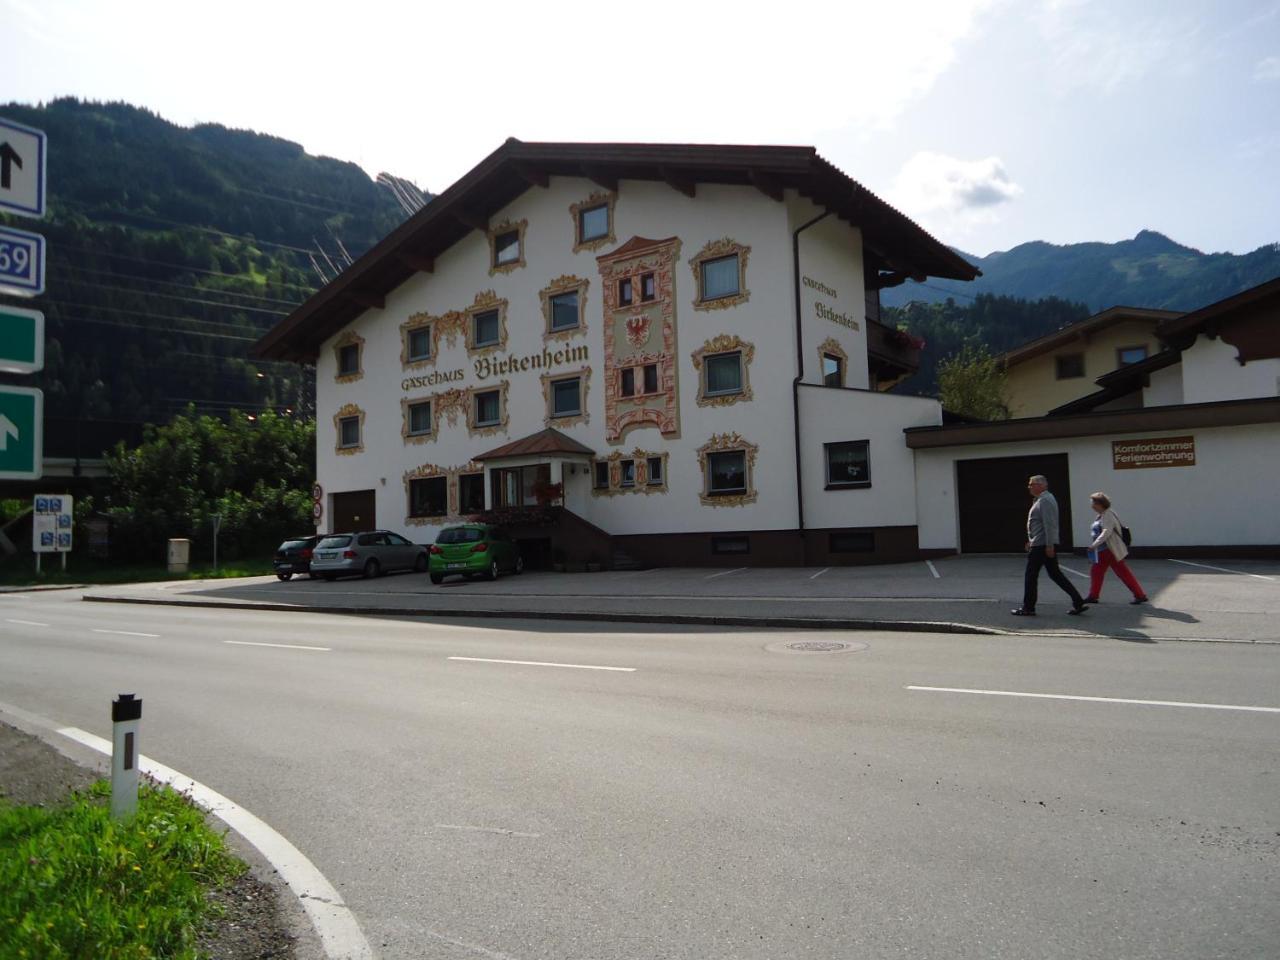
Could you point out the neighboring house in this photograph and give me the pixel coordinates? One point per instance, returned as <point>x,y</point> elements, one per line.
<point>1056,368</point>
<point>1186,442</point>
<point>680,342</point>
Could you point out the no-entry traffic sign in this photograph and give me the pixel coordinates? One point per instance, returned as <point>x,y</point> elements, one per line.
<point>21,433</point>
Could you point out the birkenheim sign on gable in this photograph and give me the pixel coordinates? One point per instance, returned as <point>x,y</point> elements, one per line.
<point>486,367</point>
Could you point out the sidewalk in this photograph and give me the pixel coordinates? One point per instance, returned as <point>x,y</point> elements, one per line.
<point>1210,600</point>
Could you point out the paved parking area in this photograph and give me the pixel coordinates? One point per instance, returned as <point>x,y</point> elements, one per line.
<point>1201,599</point>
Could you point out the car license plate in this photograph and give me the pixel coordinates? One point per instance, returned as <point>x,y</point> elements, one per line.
<point>327,555</point>
<point>454,566</point>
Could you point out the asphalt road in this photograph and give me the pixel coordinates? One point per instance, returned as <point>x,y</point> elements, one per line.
<point>715,799</point>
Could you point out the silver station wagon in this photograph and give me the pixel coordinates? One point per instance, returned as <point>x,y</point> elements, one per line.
<point>367,554</point>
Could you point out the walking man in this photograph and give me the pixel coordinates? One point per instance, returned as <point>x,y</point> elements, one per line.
<point>1042,550</point>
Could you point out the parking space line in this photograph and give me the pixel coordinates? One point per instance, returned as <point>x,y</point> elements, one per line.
<point>126,633</point>
<point>933,570</point>
<point>1064,696</point>
<point>286,646</point>
<point>539,663</point>
<point>819,573</point>
<point>27,623</point>
<point>1076,572</point>
<point>724,573</point>
<point>1238,573</point>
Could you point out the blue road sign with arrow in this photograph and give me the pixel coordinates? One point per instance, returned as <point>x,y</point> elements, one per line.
<point>22,169</point>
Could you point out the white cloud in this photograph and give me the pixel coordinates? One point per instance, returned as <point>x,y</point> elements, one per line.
<point>1267,69</point>
<point>949,195</point>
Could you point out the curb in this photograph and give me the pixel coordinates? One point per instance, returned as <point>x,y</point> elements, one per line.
<point>797,623</point>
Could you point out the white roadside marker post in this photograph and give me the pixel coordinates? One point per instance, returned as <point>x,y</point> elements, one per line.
<point>126,716</point>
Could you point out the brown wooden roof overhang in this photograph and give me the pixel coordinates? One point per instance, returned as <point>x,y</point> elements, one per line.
<point>1182,331</point>
<point>1082,328</point>
<point>543,443</point>
<point>1187,416</point>
<point>516,166</point>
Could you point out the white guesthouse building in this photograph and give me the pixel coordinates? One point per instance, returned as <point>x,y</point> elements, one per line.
<point>660,353</point>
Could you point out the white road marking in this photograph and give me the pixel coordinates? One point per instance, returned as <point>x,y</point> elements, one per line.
<point>339,931</point>
<point>286,646</point>
<point>501,830</point>
<point>819,573</point>
<point>1076,572</point>
<point>27,623</point>
<point>1238,573</point>
<point>126,633</point>
<point>538,663</point>
<point>466,945</point>
<point>933,570</point>
<point>1063,696</point>
<point>724,573</point>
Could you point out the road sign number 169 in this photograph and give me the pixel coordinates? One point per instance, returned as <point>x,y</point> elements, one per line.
<point>15,259</point>
<point>21,262</point>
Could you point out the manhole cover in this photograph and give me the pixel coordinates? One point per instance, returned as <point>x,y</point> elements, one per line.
<point>816,646</point>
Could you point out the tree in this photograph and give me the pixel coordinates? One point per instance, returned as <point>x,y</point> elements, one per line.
<point>972,383</point>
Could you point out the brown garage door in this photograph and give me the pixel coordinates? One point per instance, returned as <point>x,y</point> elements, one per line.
<point>994,501</point>
<point>353,510</point>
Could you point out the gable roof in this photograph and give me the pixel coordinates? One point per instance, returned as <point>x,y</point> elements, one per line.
<point>1183,330</point>
<point>517,166</point>
<point>545,441</point>
<point>1082,328</point>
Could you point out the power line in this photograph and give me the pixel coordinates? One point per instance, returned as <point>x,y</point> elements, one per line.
<point>143,313</point>
<point>153,329</point>
<point>137,215</point>
<point>167,283</point>
<point>183,268</point>
<point>173,296</point>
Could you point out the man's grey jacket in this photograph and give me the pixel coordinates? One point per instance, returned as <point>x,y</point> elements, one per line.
<point>1042,521</point>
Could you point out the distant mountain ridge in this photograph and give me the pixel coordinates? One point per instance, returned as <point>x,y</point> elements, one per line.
<point>1150,270</point>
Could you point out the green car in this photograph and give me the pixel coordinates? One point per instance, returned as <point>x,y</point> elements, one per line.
<point>474,549</point>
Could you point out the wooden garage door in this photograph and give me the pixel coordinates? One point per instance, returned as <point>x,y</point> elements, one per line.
<point>353,510</point>
<point>994,501</point>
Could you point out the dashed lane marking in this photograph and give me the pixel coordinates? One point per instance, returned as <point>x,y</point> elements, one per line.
<point>724,573</point>
<point>539,663</point>
<point>126,633</point>
<point>285,646</point>
<point>26,623</point>
<point>1064,696</point>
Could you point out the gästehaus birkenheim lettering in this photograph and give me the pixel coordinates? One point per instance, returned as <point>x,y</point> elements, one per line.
<point>495,367</point>
<point>821,287</point>
<point>432,379</point>
<point>826,313</point>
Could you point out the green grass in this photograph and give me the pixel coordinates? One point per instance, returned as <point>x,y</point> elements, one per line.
<point>21,572</point>
<point>75,883</point>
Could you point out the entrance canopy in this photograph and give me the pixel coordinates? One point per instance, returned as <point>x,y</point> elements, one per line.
<point>544,443</point>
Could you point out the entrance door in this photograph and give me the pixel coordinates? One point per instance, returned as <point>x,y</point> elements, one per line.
<point>993,501</point>
<point>353,510</point>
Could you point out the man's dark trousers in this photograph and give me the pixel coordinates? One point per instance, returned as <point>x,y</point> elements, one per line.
<point>1035,560</point>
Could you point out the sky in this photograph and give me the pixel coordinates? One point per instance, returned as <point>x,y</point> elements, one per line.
<point>989,122</point>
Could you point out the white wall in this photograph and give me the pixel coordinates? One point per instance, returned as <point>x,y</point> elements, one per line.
<point>830,415</point>
<point>1165,387</point>
<point>1210,371</point>
<point>832,281</point>
<point>1228,498</point>
<point>643,209</point>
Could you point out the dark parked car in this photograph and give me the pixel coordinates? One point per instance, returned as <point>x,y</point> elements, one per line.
<point>474,549</point>
<point>294,556</point>
<point>366,554</point>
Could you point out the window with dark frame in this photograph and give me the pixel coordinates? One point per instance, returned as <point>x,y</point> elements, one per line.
<point>485,329</point>
<point>726,472</point>
<point>566,397</point>
<point>420,344</point>
<point>429,497</point>
<point>506,248</point>
<point>627,382</point>
<point>720,278</point>
<point>349,432</point>
<point>653,470</point>
<point>593,223</point>
<point>471,493</point>
<point>601,475</point>
<point>723,545</point>
<point>848,464</point>
<point>420,418</point>
<point>724,374</point>
<point>564,311</point>
<point>650,378</point>
<point>1069,365</point>
<point>624,292</point>
<point>856,541</point>
<point>832,370</point>
<point>348,359</point>
<point>628,470</point>
<point>488,408</point>
<point>648,290</point>
<point>1128,355</point>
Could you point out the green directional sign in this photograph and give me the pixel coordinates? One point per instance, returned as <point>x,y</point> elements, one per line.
<point>21,433</point>
<point>21,340</point>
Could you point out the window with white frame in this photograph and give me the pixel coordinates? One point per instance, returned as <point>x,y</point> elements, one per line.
<point>564,311</point>
<point>723,374</point>
<point>420,418</point>
<point>566,397</point>
<point>349,432</point>
<point>726,473</point>
<point>720,278</point>
<point>848,464</point>
<point>488,408</point>
<point>486,330</point>
<point>653,470</point>
<point>419,344</point>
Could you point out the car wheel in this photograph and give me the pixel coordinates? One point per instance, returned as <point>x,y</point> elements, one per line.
<point>330,577</point>
<point>285,576</point>
<point>371,569</point>
<point>437,578</point>
<point>519,567</point>
<point>493,570</point>
<point>420,565</point>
